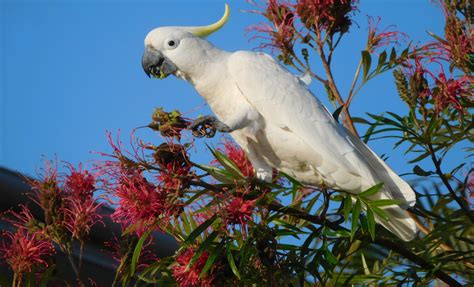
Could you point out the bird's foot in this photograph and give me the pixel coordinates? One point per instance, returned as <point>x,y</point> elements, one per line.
<point>207,126</point>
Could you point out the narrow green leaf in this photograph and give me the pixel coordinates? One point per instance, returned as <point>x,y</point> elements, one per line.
<point>371,191</point>
<point>384,202</point>
<point>421,172</point>
<point>195,196</point>
<point>371,222</point>
<point>231,261</point>
<point>381,62</point>
<point>200,229</point>
<point>44,277</point>
<point>393,57</point>
<point>203,247</point>
<point>138,250</point>
<point>212,258</point>
<point>366,61</point>
<point>364,264</point>
<point>355,217</point>
<point>360,120</point>
<point>337,113</point>
<point>220,174</point>
<point>380,213</point>
<point>347,207</point>
<point>330,257</point>
<point>227,164</point>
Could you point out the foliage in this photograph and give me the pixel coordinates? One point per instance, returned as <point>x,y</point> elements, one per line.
<point>234,230</point>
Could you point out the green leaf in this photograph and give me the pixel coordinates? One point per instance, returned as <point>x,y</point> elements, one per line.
<point>44,277</point>
<point>421,172</point>
<point>380,212</point>
<point>138,250</point>
<point>229,165</point>
<point>355,217</point>
<point>364,264</point>
<point>200,229</point>
<point>393,57</point>
<point>371,222</point>
<point>366,61</point>
<point>212,258</point>
<point>384,202</point>
<point>221,175</point>
<point>371,191</point>
<point>347,207</point>
<point>203,247</point>
<point>195,196</point>
<point>330,257</point>
<point>337,113</point>
<point>360,120</point>
<point>382,58</point>
<point>231,261</point>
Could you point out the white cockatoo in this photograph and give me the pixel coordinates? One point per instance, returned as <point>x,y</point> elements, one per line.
<point>275,118</point>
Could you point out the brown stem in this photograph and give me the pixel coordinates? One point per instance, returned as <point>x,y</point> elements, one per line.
<point>400,249</point>
<point>74,268</point>
<point>332,85</point>
<point>440,173</point>
<point>386,243</point>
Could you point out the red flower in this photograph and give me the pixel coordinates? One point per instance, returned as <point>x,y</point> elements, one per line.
<point>331,16</point>
<point>23,219</point>
<point>80,216</point>
<point>188,276</point>
<point>25,250</point>
<point>378,39</point>
<point>238,156</point>
<point>449,92</point>
<point>140,202</point>
<point>80,184</point>
<point>458,45</point>
<point>238,211</point>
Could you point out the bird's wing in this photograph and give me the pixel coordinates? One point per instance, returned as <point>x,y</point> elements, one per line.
<point>282,99</point>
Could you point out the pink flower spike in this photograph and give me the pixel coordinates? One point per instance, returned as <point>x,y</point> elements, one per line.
<point>238,211</point>
<point>377,39</point>
<point>23,250</point>
<point>188,276</point>
<point>80,184</point>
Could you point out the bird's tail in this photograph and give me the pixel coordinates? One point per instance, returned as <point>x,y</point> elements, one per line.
<point>399,222</point>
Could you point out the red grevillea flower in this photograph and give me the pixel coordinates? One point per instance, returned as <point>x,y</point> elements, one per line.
<point>333,16</point>
<point>80,216</point>
<point>80,184</point>
<point>238,211</point>
<point>449,92</point>
<point>281,32</point>
<point>23,250</point>
<point>458,44</point>
<point>378,39</point>
<point>140,202</point>
<point>188,276</point>
<point>238,156</point>
<point>23,219</point>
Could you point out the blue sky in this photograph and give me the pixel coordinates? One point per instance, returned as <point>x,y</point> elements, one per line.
<point>71,70</point>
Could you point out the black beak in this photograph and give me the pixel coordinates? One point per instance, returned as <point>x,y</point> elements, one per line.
<point>152,61</point>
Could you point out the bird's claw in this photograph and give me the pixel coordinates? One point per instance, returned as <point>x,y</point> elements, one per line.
<point>207,126</point>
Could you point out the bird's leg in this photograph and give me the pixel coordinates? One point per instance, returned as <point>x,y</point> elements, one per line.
<point>207,126</point>
<point>263,171</point>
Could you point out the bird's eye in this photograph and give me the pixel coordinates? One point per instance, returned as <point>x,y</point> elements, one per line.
<point>171,44</point>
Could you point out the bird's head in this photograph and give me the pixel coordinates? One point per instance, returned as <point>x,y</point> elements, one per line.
<point>169,50</point>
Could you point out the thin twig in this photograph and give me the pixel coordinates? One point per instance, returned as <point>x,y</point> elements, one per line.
<point>440,173</point>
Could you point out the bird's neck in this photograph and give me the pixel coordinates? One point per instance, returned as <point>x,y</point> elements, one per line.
<point>207,69</point>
